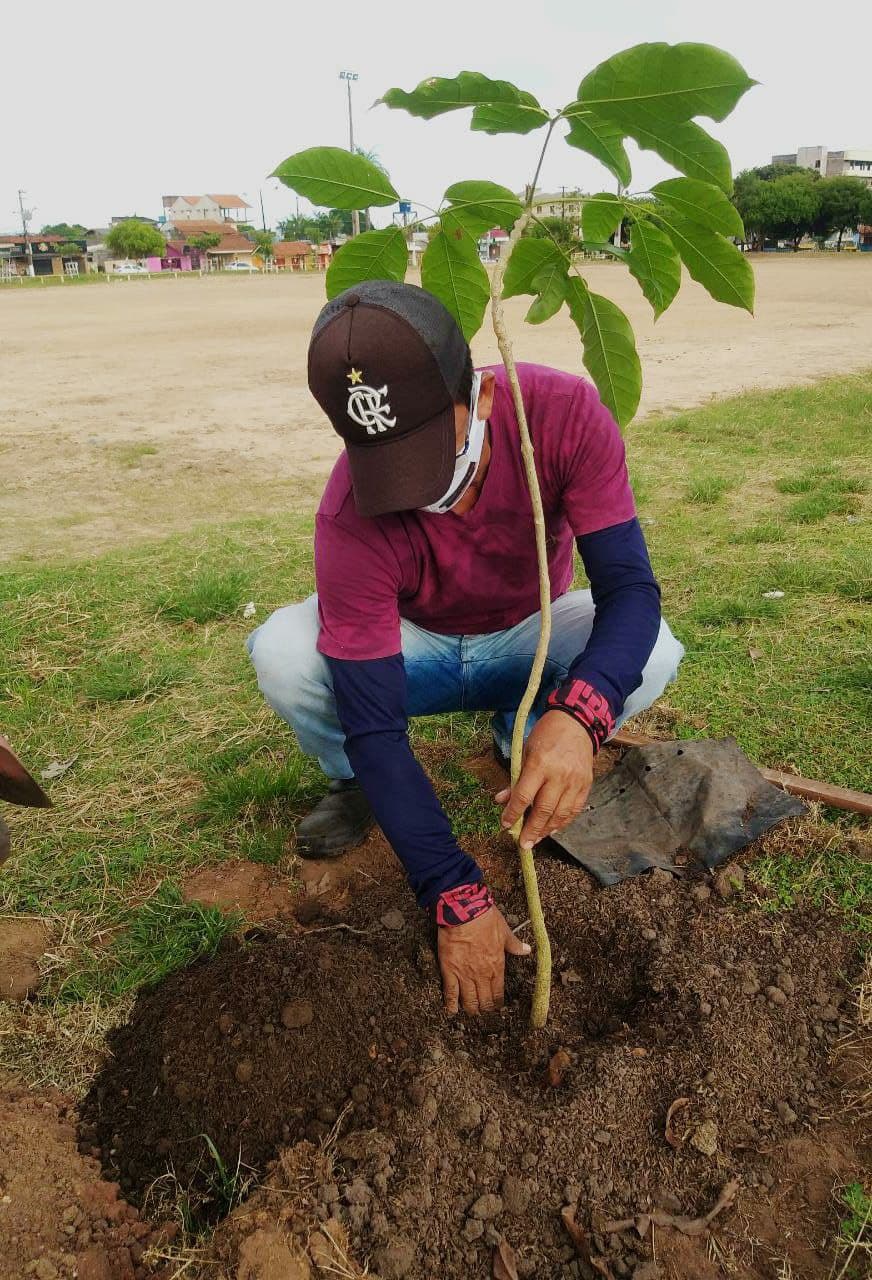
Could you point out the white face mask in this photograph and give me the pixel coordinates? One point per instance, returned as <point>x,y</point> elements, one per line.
<point>466,462</point>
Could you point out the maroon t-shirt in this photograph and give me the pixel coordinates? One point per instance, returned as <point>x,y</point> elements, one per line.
<point>476,573</point>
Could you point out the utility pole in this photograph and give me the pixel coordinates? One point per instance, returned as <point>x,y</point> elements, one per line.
<point>25,219</point>
<point>262,214</point>
<point>348,76</point>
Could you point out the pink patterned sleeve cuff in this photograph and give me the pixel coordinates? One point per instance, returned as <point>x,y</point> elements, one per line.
<point>459,906</point>
<point>586,705</point>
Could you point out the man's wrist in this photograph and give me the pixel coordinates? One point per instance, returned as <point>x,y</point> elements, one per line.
<point>587,706</point>
<point>463,903</point>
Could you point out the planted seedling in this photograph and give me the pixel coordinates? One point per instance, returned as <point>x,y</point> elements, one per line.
<point>651,93</point>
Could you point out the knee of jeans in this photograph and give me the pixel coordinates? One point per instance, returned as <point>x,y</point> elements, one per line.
<point>284,655</point>
<point>662,667</point>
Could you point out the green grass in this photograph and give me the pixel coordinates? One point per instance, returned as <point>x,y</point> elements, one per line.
<point>855,1233</point>
<point>131,454</point>
<point>210,594</point>
<point>707,489</point>
<point>154,939</point>
<point>120,676</point>
<point>765,531</point>
<point>819,504</point>
<point>134,663</point>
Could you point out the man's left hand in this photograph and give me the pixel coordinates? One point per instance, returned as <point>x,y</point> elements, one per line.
<point>556,775</point>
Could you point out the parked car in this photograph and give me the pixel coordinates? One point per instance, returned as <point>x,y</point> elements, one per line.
<point>241,265</point>
<point>130,269</point>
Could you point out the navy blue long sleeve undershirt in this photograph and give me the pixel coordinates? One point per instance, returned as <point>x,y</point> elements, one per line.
<point>627,619</point>
<point>371,704</point>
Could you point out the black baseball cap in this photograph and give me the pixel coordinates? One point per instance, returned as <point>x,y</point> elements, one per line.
<point>386,362</point>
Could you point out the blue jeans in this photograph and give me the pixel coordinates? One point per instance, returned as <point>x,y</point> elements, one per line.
<point>443,673</point>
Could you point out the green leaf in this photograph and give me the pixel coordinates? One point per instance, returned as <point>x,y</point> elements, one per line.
<point>672,82</point>
<point>336,178</point>
<point>604,246</point>
<point>508,117</point>
<point>476,207</point>
<point>712,261</point>
<point>436,95</point>
<point>701,202</point>
<point>599,138</point>
<point>552,287</point>
<point>374,255</point>
<point>529,258</point>
<point>688,148</point>
<point>452,270</point>
<point>601,216</point>
<point>609,350</point>
<point>655,264</point>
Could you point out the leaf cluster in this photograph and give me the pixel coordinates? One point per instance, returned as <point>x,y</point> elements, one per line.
<point>135,239</point>
<point>70,231</point>
<point>652,94</point>
<point>205,240</point>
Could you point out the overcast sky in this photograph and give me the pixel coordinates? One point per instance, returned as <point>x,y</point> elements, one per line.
<point>109,110</point>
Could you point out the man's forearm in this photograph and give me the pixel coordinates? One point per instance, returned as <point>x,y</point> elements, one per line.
<point>627,617</point>
<point>370,701</point>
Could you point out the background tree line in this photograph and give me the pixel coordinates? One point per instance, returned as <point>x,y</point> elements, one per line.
<point>785,202</point>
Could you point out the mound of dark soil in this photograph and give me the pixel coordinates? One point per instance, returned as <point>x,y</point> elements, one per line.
<point>449,1134</point>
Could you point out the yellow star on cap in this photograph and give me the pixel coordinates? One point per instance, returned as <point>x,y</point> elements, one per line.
<point>356,375</point>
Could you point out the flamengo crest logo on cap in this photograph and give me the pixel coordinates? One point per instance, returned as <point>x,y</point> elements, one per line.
<point>367,406</point>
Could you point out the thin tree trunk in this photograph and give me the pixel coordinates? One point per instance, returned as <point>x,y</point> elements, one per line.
<point>542,989</point>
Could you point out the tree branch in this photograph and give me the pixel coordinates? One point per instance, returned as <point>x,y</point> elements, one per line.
<point>542,989</point>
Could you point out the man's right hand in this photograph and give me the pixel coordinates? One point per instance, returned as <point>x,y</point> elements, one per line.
<point>472,958</point>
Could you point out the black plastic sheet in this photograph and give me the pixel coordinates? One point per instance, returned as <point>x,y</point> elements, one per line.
<point>703,797</point>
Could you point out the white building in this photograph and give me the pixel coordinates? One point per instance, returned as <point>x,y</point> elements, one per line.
<point>209,208</point>
<point>565,203</point>
<point>855,162</point>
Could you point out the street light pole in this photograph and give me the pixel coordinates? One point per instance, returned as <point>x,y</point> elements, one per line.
<point>25,219</point>
<point>348,76</point>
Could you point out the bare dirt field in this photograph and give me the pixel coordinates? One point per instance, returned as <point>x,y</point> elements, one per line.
<point>141,407</point>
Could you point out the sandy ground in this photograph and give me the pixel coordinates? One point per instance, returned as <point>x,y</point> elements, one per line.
<point>141,407</point>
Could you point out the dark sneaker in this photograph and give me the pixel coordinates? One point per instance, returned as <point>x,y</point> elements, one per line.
<point>503,761</point>
<point>338,822</point>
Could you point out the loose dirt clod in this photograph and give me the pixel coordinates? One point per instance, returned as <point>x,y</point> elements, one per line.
<point>448,1134</point>
<point>297,1013</point>
<point>22,945</point>
<point>59,1219</point>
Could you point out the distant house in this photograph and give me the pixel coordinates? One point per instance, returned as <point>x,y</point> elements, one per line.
<point>47,261</point>
<point>416,242</point>
<point>232,246</point>
<point>292,255</point>
<point>565,203</point>
<point>323,254</point>
<point>209,208</point>
<point>493,244</point>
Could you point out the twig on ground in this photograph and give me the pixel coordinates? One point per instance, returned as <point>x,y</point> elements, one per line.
<point>687,1226</point>
<point>329,928</point>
